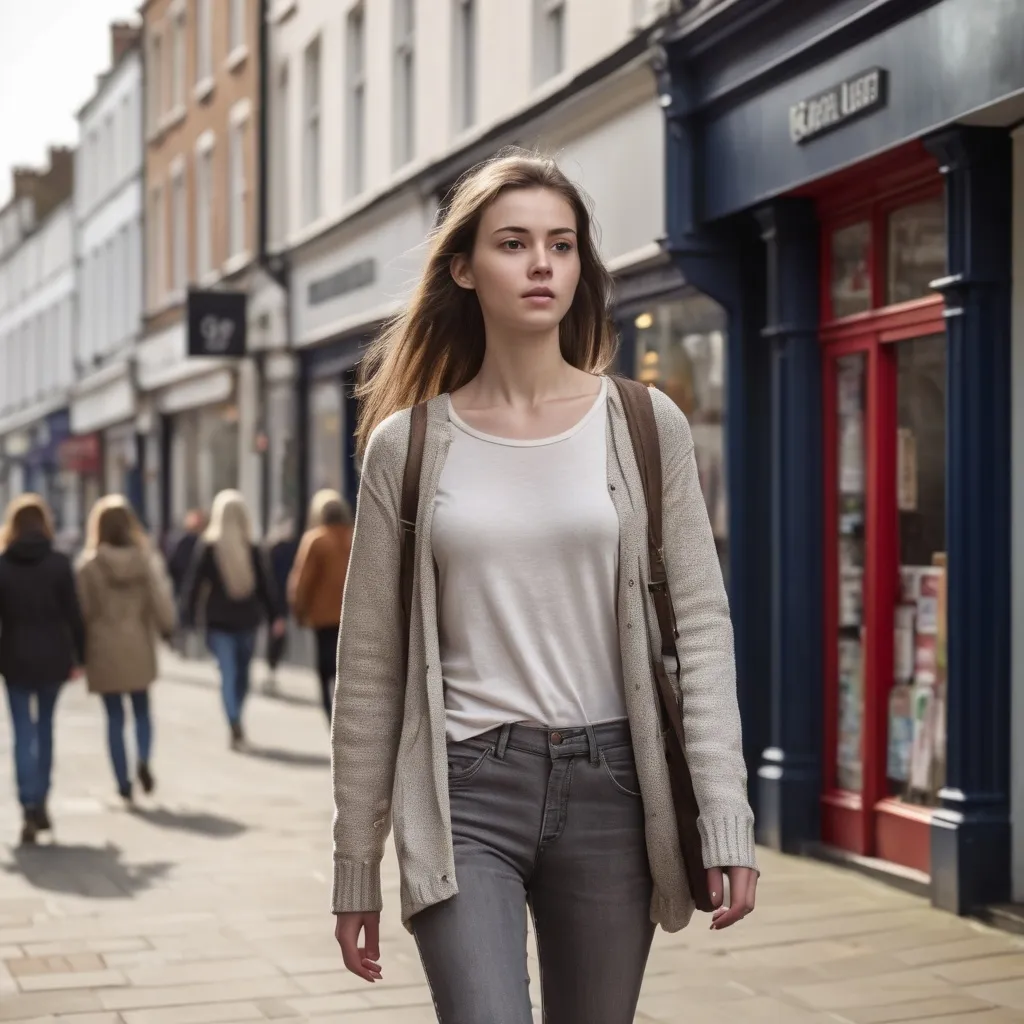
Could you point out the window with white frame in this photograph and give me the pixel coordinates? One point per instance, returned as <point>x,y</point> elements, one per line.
<point>237,185</point>
<point>404,137</point>
<point>236,26</point>
<point>311,100</point>
<point>113,291</point>
<point>204,207</point>
<point>157,247</point>
<point>356,120</point>
<point>280,192</point>
<point>464,64</point>
<point>179,230</point>
<point>548,39</point>
<point>204,43</point>
<point>178,44</point>
<point>154,83</point>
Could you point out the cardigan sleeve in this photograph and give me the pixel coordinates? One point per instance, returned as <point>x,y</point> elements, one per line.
<point>370,692</point>
<point>710,710</point>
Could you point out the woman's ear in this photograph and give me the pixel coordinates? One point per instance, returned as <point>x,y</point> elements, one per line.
<point>462,272</point>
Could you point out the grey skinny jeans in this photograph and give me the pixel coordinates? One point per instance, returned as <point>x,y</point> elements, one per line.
<point>552,820</point>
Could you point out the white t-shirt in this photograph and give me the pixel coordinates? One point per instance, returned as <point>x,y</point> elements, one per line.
<point>526,542</point>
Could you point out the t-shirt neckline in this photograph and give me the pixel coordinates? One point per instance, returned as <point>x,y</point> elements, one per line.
<point>512,442</point>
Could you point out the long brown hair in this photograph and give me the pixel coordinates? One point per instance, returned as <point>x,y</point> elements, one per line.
<point>112,521</point>
<point>26,514</point>
<point>437,343</point>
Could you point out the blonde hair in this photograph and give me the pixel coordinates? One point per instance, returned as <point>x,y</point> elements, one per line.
<point>28,513</point>
<point>113,521</point>
<point>229,534</point>
<point>437,343</point>
<point>320,501</point>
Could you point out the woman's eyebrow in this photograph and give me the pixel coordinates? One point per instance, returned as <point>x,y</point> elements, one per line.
<point>525,231</point>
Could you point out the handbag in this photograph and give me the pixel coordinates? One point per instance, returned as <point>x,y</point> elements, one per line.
<point>643,432</point>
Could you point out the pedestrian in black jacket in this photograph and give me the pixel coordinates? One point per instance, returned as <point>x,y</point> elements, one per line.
<point>42,643</point>
<point>230,590</point>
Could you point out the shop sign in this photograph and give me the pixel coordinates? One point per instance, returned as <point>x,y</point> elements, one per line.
<point>859,95</point>
<point>80,454</point>
<point>348,279</point>
<point>216,323</point>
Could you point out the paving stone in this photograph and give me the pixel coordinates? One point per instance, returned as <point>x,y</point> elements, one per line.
<point>988,968</point>
<point>51,982</point>
<point>963,949</point>
<point>201,1013</point>
<point>197,973</point>
<point>35,1004</point>
<point>184,995</point>
<point>919,1010</point>
<point>898,987</point>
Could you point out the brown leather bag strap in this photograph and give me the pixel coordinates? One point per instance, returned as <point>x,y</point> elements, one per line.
<point>410,506</point>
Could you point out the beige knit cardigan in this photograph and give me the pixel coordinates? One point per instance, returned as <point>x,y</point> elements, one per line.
<point>388,738</point>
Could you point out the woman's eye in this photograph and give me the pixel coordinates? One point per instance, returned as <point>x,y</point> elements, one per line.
<point>512,243</point>
<point>563,246</point>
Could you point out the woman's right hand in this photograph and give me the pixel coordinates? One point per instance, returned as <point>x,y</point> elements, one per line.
<point>360,960</point>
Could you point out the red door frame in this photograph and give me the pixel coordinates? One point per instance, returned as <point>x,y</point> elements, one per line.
<point>870,822</point>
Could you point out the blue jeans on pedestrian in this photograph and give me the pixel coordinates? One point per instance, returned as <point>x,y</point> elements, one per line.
<point>233,652</point>
<point>32,723</point>
<point>114,703</point>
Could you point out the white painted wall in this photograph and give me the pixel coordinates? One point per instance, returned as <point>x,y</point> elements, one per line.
<point>1017,485</point>
<point>36,320</point>
<point>505,85</point>
<point>108,208</point>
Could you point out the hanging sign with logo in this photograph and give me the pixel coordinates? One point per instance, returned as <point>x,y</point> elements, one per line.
<point>216,323</point>
<point>859,95</point>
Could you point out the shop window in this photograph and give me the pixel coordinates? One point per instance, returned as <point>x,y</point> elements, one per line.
<point>283,452</point>
<point>916,249</point>
<point>851,372</point>
<point>851,275</point>
<point>680,348</point>
<point>326,436</point>
<point>916,755</point>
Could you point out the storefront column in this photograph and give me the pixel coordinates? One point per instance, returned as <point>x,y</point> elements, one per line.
<point>789,779</point>
<point>727,264</point>
<point>970,839</point>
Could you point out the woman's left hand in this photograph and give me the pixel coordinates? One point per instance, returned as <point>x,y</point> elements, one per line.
<point>742,891</point>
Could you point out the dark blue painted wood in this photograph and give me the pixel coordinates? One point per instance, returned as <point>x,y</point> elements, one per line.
<point>789,778</point>
<point>935,76</point>
<point>728,265</point>
<point>971,847</point>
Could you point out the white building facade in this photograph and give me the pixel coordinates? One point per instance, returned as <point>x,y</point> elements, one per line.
<point>372,117</point>
<point>37,312</point>
<point>108,219</point>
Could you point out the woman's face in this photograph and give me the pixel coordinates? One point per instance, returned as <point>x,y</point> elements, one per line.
<point>525,264</point>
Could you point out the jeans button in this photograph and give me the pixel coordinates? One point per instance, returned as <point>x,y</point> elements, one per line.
<point>556,738</point>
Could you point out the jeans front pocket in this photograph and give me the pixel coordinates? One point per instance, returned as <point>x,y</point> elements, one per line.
<point>465,760</point>
<point>620,767</point>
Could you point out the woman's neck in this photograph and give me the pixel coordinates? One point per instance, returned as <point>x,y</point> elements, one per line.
<point>521,371</point>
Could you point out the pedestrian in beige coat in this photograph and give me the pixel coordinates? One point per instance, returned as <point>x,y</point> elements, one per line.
<point>127,605</point>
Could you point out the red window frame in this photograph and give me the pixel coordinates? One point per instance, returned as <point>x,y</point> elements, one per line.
<point>870,822</point>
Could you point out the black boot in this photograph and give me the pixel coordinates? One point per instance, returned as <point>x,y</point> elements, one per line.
<point>30,826</point>
<point>237,736</point>
<point>43,823</point>
<point>146,780</point>
<point>126,792</point>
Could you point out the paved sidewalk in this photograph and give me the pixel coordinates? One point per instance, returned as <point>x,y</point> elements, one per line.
<point>208,903</point>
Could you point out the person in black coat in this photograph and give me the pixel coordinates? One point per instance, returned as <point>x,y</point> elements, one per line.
<point>42,643</point>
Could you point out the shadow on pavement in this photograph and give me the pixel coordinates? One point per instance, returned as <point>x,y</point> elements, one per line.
<point>293,757</point>
<point>97,872</point>
<point>199,822</point>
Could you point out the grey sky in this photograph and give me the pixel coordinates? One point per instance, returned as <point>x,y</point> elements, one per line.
<point>50,54</point>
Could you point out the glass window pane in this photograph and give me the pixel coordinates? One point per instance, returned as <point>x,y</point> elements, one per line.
<point>917,731</point>
<point>851,372</point>
<point>917,250</point>
<point>680,348</point>
<point>327,446</point>
<point>851,279</point>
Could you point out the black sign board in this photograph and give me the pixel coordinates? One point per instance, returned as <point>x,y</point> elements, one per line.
<point>348,279</point>
<point>839,105</point>
<point>216,323</point>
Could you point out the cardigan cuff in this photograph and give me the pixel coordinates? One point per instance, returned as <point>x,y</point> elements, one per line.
<point>356,887</point>
<point>728,842</point>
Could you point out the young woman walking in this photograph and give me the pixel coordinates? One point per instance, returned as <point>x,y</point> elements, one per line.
<point>230,590</point>
<point>516,744</point>
<point>42,640</point>
<point>127,604</point>
<point>317,581</point>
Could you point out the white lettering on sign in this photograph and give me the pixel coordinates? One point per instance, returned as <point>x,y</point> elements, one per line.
<point>856,96</point>
<point>217,333</point>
